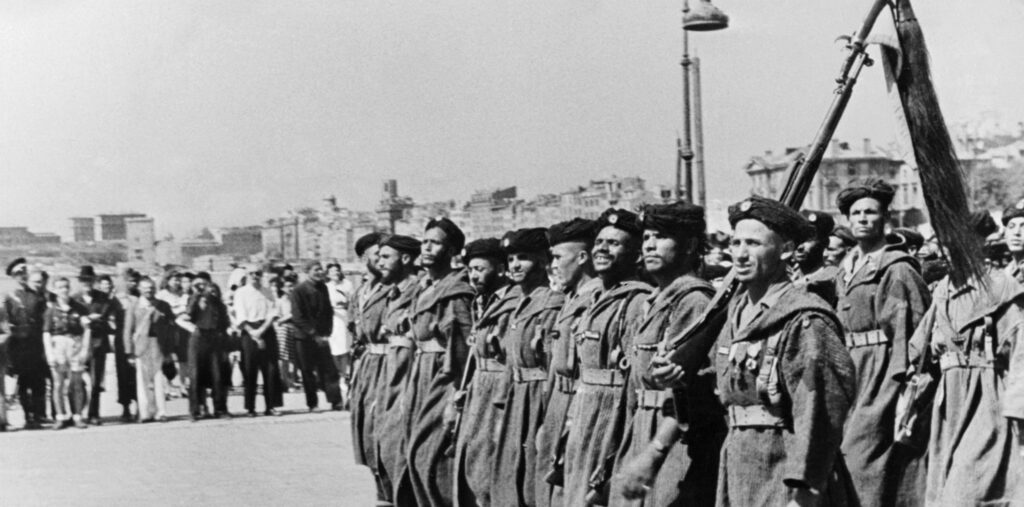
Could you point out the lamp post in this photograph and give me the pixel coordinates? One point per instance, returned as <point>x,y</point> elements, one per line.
<point>704,17</point>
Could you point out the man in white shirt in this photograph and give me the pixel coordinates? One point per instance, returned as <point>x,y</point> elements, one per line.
<point>255,315</point>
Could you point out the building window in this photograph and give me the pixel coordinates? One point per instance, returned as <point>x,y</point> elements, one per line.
<point>851,170</point>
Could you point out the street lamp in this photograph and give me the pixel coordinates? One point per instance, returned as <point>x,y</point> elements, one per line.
<point>704,17</point>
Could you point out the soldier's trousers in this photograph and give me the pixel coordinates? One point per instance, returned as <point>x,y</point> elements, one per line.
<point>315,363</point>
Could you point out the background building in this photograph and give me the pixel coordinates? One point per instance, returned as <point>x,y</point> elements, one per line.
<point>83,229</point>
<point>140,237</point>
<point>113,228</point>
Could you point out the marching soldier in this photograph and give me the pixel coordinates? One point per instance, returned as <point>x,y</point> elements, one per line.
<point>783,373</point>
<point>597,411</point>
<point>674,241</point>
<point>527,342</point>
<point>440,324</point>
<point>370,303</point>
<point>969,339</point>
<point>882,298</point>
<point>482,400</point>
<point>1013,221</point>
<point>573,275</point>
<point>396,260</point>
<point>809,258</point>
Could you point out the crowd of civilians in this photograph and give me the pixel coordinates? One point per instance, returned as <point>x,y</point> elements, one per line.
<point>175,334</point>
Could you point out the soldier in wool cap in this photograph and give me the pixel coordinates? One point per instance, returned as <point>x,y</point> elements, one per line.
<point>783,374</point>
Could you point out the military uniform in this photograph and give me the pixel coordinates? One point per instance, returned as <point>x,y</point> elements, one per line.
<point>371,301</point>
<point>389,418</point>
<point>881,301</point>
<point>440,324</point>
<point>600,346</point>
<point>971,335</point>
<point>526,342</point>
<point>561,390</point>
<point>787,383</point>
<point>688,473</point>
<point>485,397</point>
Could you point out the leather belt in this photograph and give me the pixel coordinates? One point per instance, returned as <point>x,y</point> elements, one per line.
<point>956,359</point>
<point>489,364</point>
<point>652,399</point>
<point>599,377</point>
<point>754,416</point>
<point>429,347</point>
<point>866,338</point>
<point>397,341</point>
<point>565,384</point>
<point>529,374</point>
<point>377,349</point>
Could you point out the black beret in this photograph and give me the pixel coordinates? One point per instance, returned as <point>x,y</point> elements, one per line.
<point>366,241</point>
<point>906,237</point>
<point>822,222</point>
<point>983,224</point>
<point>577,229</point>
<point>16,265</point>
<point>844,233</point>
<point>530,240</point>
<point>620,219</point>
<point>679,218</point>
<point>456,238</point>
<point>1015,211</point>
<point>486,247</point>
<point>871,187</point>
<point>404,244</point>
<point>776,216</point>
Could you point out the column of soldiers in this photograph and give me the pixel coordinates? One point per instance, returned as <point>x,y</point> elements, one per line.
<point>536,373</point>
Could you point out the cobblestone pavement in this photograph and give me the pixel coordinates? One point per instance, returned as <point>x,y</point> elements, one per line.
<point>297,459</point>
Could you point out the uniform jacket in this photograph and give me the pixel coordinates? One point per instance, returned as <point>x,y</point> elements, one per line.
<point>974,456</point>
<point>816,387</point>
<point>890,296</point>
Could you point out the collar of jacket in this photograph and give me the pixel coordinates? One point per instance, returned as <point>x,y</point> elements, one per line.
<point>453,285</point>
<point>877,267</point>
<point>662,301</point>
<point>792,300</point>
<point>992,295</point>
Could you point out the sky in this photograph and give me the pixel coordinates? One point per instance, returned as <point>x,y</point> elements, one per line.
<point>231,112</point>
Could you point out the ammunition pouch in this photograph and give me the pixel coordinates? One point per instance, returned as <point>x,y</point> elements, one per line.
<point>755,416</point>
<point>599,377</point>
<point>866,338</point>
<point>429,347</point>
<point>521,375</point>
<point>377,349</point>
<point>652,399</point>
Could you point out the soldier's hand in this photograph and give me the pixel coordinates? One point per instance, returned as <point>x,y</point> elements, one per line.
<point>665,373</point>
<point>636,477</point>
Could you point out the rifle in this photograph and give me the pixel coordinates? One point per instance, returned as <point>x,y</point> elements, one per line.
<point>459,405</point>
<point>690,348</point>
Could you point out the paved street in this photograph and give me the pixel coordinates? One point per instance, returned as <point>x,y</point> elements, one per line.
<point>298,459</point>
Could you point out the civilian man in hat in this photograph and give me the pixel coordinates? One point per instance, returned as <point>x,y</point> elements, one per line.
<point>839,243</point>
<point>783,373</point>
<point>572,272</point>
<point>601,353</point>
<point>527,345</point>
<point>440,324</point>
<point>1013,232</point>
<point>102,323</point>
<point>313,317</point>
<point>485,385</point>
<point>970,339</point>
<point>148,322</point>
<point>255,315</point>
<point>882,298</point>
<point>25,307</point>
<point>368,307</point>
<point>809,267</point>
<point>659,403</point>
<point>394,345</point>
